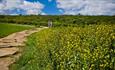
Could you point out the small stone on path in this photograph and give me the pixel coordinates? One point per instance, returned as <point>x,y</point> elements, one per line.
<point>8,51</point>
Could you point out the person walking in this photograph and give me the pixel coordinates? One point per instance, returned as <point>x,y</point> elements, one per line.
<point>49,23</point>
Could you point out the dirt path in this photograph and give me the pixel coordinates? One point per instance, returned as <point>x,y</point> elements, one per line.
<point>10,47</point>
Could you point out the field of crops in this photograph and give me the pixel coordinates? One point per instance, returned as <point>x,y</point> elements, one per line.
<point>91,47</point>
<point>6,29</point>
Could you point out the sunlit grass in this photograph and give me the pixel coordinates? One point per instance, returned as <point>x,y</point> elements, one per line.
<point>6,29</point>
<point>69,48</point>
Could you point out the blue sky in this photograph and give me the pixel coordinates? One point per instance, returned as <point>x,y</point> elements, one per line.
<point>57,7</point>
<point>50,6</point>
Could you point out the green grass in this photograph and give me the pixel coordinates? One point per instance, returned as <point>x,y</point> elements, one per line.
<point>6,29</point>
<point>69,48</point>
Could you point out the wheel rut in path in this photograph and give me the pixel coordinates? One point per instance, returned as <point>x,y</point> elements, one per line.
<point>10,47</point>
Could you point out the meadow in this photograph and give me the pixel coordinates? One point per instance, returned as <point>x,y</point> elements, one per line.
<point>8,28</point>
<point>91,47</point>
<point>73,43</point>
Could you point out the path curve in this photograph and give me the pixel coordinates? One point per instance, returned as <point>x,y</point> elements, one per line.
<point>9,47</point>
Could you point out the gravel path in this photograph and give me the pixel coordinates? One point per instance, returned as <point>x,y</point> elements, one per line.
<point>10,47</point>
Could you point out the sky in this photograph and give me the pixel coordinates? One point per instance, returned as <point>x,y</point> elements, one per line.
<point>57,7</point>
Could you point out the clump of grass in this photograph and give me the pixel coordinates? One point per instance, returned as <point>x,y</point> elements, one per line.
<point>6,28</point>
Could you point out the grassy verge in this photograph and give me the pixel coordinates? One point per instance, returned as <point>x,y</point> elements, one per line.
<point>70,48</point>
<point>6,29</point>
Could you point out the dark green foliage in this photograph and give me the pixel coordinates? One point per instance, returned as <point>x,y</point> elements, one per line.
<point>58,20</point>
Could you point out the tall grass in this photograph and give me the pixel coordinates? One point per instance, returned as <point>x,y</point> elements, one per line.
<point>70,48</point>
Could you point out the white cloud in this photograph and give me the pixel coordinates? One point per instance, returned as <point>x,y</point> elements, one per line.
<point>35,12</point>
<point>26,6</point>
<point>11,3</point>
<point>1,6</point>
<point>32,8</point>
<point>87,7</point>
<point>43,13</point>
